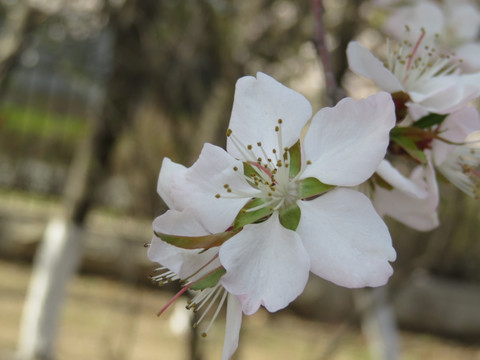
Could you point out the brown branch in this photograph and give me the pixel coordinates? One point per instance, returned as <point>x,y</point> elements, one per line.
<point>333,91</point>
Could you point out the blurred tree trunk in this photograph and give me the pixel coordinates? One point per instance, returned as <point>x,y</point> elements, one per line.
<point>61,249</point>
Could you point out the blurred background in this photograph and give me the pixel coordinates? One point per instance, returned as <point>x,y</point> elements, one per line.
<point>93,95</point>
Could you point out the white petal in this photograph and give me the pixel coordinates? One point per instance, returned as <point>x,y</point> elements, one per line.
<point>266,265</point>
<point>455,128</point>
<point>258,104</point>
<point>183,262</point>
<point>206,178</point>
<point>445,94</point>
<point>346,143</point>
<point>232,326</point>
<point>363,62</point>
<point>400,182</point>
<point>347,241</point>
<point>169,172</point>
<point>469,55</point>
<point>424,16</point>
<point>464,20</point>
<point>419,214</point>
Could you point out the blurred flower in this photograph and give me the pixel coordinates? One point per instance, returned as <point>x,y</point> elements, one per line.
<point>451,24</point>
<point>421,83</point>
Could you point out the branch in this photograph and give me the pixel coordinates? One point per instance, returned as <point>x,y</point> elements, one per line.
<point>334,92</point>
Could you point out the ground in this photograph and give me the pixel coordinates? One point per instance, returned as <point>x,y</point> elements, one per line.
<point>106,319</point>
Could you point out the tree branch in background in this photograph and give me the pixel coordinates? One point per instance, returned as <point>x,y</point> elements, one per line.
<point>333,91</point>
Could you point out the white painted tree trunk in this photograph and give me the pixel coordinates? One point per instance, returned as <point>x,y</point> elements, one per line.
<point>378,322</point>
<point>55,263</point>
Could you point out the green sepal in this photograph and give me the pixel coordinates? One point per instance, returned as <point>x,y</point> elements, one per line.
<point>196,242</point>
<point>430,120</point>
<point>408,144</point>
<point>290,217</point>
<point>295,160</point>
<point>249,170</point>
<point>245,217</point>
<point>209,281</point>
<point>382,182</point>
<point>311,187</point>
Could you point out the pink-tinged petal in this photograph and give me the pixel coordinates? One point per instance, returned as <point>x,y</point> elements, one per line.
<point>363,62</point>
<point>469,55</point>
<point>419,214</point>
<point>232,326</point>
<point>258,104</point>
<point>208,177</point>
<point>266,265</point>
<point>181,261</point>
<point>346,143</point>
<point>455,128</point>
<point>403,184</point>
<point>348,243</point>
<point>169,172</point>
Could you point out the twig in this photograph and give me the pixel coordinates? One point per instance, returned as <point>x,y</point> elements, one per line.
<point>333,91</point>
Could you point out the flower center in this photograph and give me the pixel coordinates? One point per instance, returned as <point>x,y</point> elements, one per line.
<point>412,66</point>
<point>271,174</point>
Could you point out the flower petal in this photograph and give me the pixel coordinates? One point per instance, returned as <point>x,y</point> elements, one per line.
<point>423,16</point>
<point>181,261</point>
<point>455,128</point>
<point>468,53</point>
<point>197,189</point>
<point>363,62</point>
<point>232,326</point>
<point>266,265</point>
<point>258,104</point>
<point>400,182</point>
<point>348,243</point>
<point>419,214</point>
<point>345,144</point>
<point>445,94</point>
<point>168,173</point>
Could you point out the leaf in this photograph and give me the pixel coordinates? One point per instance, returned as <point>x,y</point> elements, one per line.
<point>290,217</point>
<point>209,281</point>
<point>295,159</point>
<point>247,215</point>
<point>430,120</point>
<point>311,187</point>
<point>408,144</point>
<point>197,242</point>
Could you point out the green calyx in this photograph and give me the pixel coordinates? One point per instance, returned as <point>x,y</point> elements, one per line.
<point>197,242</point>
<point>208,281</point>
<point>311,187</point>
<point>290,217</point>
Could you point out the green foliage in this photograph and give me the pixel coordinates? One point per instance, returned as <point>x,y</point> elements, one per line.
<point>41,123</point>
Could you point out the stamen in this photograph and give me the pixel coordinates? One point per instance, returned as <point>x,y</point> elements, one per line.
<point>220,305</point>
<point>217,292</point>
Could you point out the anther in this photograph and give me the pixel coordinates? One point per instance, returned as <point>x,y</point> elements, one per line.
<point>217,196</point>
<point>229,132</point>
